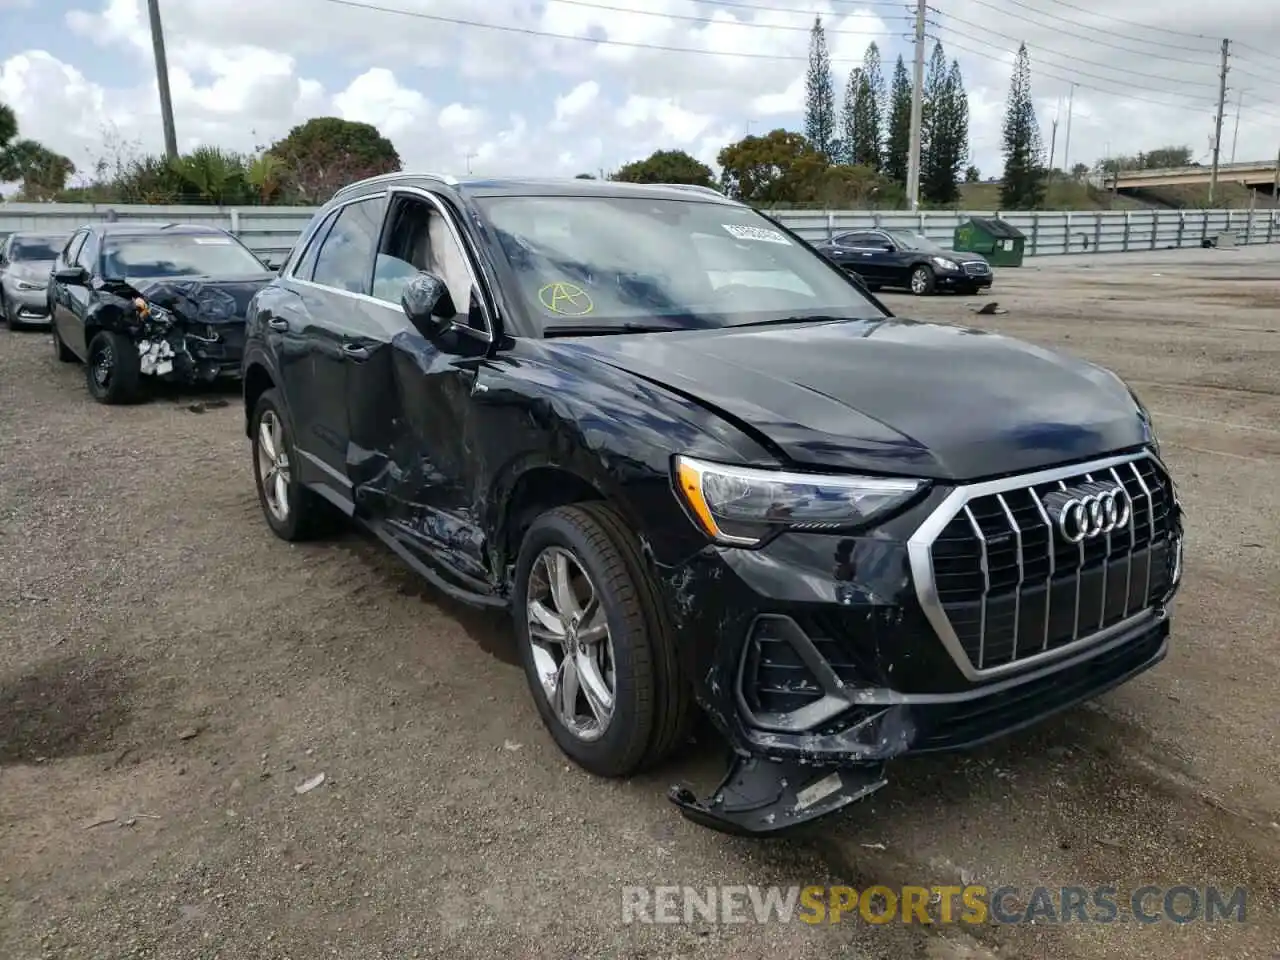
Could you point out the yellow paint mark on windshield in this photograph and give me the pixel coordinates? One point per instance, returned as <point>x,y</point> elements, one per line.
<point>566,299</point>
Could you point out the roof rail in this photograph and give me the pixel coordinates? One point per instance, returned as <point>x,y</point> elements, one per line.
<point>384,177</point>
<point>695,186</point>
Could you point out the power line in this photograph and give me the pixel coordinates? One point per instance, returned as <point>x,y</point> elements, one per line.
<point>1094,39</point>
<point>1055,76</point>
<point>1125,90</point>
<point>1256,51</point>
<point>689,18</point>
<point>1097,16</point>
<point>632,44</point>
<point>1043,51</point>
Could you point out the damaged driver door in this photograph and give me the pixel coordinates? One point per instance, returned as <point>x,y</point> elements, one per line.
<point>414,468</point>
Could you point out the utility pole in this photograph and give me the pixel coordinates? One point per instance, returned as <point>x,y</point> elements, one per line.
<point>1235,137</point>
<point>1275,184</point>
<point>917,110</point>
<point>1066,147</point>
<point>1217,125</point>
<point>162,80</point>
<point>1053,145</point>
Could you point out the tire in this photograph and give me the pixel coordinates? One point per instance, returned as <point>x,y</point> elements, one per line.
<point>922,280</point>
<point>60,349</point>
<point>652,706</point>
<point>113,369</point>
<point>305,515</point>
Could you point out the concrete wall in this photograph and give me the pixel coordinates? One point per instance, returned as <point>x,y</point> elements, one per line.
<point>272,230</point>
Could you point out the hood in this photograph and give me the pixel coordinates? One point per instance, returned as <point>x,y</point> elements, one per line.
<point>959,256</point>
<point>200,300</point>
<point>33,271</point>
<point>890,396</point>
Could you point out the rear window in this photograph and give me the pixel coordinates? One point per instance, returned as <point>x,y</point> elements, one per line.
<point>178,255</point>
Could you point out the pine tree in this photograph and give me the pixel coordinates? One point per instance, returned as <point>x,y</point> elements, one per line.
<point>899,136</point>
<point>948,136</point>
<point>849,115</point>
<point>820,98</point>
<point>867,147</point>
<point>933,120</point>
<point>1023,187</point>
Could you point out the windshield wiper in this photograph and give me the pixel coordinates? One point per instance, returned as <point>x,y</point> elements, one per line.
<point>807,318</point>
<point>604,329</point>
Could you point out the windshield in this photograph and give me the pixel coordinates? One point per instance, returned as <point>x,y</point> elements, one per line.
<point>909,240</point>
<point>37,249</point>
<point>593,261</point>
<point>178,255</point>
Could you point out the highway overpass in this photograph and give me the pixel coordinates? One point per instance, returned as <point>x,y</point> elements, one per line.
<point>1260,176</point>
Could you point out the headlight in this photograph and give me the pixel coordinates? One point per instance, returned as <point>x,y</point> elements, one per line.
<point>1148,427</point>
<point>29,285</point>
<point>742,506</point>
<point>945,264</point>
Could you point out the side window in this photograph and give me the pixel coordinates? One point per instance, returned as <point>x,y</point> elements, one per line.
<point>846,240</point>
<point>72,249</point>
<point>345,258</point>
<point>419,239</point>
<point>87,256</point>
<point>307,262</point>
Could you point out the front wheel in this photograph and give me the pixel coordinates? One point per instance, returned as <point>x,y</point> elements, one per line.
<point>292,511</point>
<point>113,369</point>
<point>60,350</point>
<point>597,650</point>
<point>922,281</point>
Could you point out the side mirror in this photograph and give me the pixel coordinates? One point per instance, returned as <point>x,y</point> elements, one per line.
<point>428,306</point>
<point>888,247</point>
<point>71,276</point>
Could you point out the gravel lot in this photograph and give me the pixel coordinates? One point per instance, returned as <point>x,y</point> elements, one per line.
<point>170,671</point>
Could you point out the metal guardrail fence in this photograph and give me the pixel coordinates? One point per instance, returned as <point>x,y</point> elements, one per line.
<point>271,231</point>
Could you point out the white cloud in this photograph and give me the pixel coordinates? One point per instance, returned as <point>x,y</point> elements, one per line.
<point>577,100</point>
<point>450,96</point>
<point>376,97</point>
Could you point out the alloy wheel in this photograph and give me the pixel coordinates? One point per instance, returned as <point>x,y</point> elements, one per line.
<point>919,281</point>
<point>571,643</point>
<point>103,362</point>
<point>273,465</point>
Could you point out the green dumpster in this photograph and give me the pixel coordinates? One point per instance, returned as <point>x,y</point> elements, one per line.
<point>997,240</point>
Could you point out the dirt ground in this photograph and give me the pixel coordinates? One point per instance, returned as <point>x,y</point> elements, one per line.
<point>170,672</point>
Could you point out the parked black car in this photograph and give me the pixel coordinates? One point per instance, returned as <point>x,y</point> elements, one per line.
<point>697,464</point>
<point>164,300</point>
<point>26,262</point>
<point>903,258</point>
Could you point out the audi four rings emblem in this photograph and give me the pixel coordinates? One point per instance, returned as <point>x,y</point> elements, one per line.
<point>1088,510</point>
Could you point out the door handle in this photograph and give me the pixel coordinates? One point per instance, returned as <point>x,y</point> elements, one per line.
<point>355,351</point>
<point>277,323</point>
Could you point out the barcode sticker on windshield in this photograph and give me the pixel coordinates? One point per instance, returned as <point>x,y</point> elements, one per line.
<point>217,240</point>
<point>762,234</point>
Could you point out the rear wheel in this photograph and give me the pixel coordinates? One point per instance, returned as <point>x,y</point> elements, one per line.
<point>922,281</point>
<point>113,369</point>
<point>597,650</point>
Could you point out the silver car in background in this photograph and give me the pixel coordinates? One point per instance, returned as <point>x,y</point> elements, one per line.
<point>26,262</point>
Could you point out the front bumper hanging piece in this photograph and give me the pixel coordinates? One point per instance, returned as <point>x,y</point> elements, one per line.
<point>760,797</point>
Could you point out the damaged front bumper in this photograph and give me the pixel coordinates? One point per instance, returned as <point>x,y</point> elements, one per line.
<point>818,662</point>
<point>185,331</point>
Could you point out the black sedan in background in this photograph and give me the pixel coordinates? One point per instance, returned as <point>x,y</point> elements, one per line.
<point>135,300</point>
<point>903,258</point>
<point>26,260</point>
